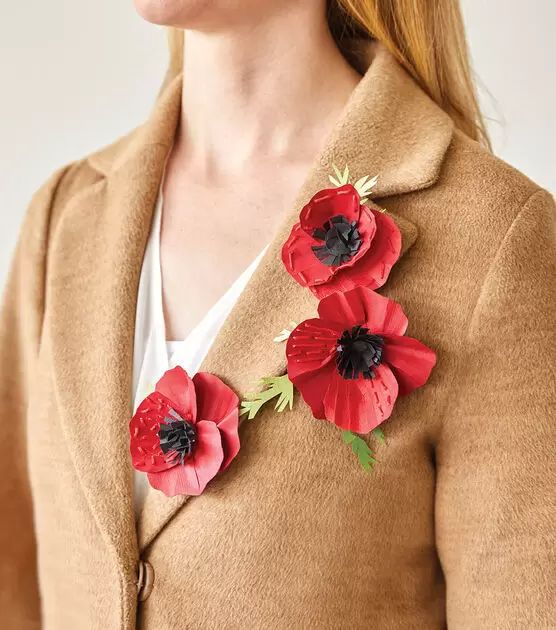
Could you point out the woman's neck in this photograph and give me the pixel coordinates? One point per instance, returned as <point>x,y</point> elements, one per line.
<point>265,90</point>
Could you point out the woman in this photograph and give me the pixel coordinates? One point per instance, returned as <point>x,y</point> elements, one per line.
<point>454,524</point>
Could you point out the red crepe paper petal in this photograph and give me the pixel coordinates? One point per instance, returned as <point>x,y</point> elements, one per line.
<point>328,203</point>
<point>313,385</point>
<point>386,247</point>
<point>363,307</point>
<point>373,268</point>
<point>410,360</point>
<point>215,400</point>
<point>360,405</point>
<point>179,389</point>
<point>300,261</point>
<point>310,351</point>
<point>146,454</point>
<point>310,346</point>
<point>217,403</point>
<point>345,310</point>
<point>192,477</point>
<point>229,434</point>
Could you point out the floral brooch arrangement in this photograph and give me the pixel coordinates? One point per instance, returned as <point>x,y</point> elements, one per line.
<point>349,364</point>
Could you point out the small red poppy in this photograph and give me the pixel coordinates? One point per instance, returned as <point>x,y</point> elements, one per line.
<point>351,362</point>
<point>340,244</point>
<point>185,432</point>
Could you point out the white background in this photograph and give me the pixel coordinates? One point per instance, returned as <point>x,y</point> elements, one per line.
<point>77,74</point>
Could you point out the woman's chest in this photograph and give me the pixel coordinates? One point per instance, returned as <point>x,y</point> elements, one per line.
<point>295,532</point>
<point>208,238</point>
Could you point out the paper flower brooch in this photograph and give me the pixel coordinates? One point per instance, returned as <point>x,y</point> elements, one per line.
<point>185,432</point>
<point>340,243</point>
<point>352,362</point>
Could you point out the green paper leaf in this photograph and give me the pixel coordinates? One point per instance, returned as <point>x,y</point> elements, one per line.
<point>345,176</point>
<point>348,437</point>
<point>367,186</point>
<point>340,178</point>
<point>364,185</point>
<point>279,387</point>
<point>361,450</point>
<point>379,434</point>
<point>337,172</point>
<point>360,183</point>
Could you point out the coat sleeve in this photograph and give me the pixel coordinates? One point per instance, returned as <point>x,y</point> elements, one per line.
<point>20,331</point>
<point>496,456</point>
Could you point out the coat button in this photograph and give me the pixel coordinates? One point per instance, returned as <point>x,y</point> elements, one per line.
<point>145,580</point>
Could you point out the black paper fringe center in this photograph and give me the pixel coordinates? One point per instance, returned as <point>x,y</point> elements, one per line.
<point>177,436</point>
<point>341,241</point>
<point>359,352</point>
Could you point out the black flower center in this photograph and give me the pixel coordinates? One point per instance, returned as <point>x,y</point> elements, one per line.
<point>341,241</point>
<point>358,352</point>
<point>177,436</point>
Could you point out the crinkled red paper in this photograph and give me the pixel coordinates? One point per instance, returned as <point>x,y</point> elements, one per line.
<point>205,402</point>
<point>369,267</point>
<point>360,404</point>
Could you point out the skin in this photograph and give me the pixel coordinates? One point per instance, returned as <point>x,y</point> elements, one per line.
<point>264,83</point>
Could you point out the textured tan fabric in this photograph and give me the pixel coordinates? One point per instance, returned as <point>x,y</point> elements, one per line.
<point>455,526</point>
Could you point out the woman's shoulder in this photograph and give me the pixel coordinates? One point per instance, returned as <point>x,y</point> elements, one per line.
<point>478,207</point>
<point>88,170</point>
<point>481,218</point>
<point>483,189</point>
<point>51,198</point>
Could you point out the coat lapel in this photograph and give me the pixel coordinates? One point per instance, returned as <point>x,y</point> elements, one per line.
<point>94,265</point>
<point>389,128</point>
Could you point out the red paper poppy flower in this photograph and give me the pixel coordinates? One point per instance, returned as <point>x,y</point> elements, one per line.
<point>352,361</point>
<point>340,244</point>
<point>185,432</point>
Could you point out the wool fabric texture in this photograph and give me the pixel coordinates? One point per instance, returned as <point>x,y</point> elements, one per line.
<point>455,525</point>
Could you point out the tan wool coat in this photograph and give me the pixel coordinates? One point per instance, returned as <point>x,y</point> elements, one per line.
<point>455,526</point>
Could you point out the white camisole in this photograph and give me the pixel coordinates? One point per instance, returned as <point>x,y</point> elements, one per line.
<point>152,353</point>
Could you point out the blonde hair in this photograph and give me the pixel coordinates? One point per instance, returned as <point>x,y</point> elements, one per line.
<point>427,37</point>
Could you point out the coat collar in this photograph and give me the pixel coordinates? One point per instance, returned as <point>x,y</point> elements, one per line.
<point>389,127</point>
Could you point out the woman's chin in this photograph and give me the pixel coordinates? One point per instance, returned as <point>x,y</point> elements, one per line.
<point>176,13</point>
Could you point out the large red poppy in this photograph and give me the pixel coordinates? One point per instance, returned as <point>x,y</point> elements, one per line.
<point>340,244</point>
<point>185,432</point>
<point>351,362</point>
